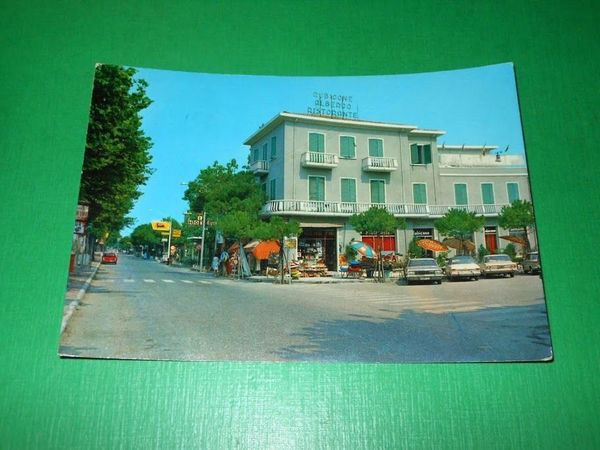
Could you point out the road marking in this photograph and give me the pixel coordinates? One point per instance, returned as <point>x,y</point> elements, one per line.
<point>204,282</point>
<point>187,281</point>
<point>129,280</point>
<point>168,281</point>
<point>149,281</point>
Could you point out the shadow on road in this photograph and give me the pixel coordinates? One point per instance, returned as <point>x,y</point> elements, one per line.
<point>516,333</point>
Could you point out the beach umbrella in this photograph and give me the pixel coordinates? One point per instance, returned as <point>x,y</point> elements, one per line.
<point>363,249</point>
<point>264,248</point>
<point>458,244</point>
<point>515,239</point>
<point>432,244</point>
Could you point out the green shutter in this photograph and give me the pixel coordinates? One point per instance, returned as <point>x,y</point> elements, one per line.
<point>460,194</point>
<point>347,147</point>
<point>376,148</point>
<point>272,189</point>
<point>273,147</point>
<point>487,193</point>
<point>377,191</point>
<point>255,154</point>
<point>316,142</point>
<point>420,194</point>
<point>427,154</point>
<point>348,190</point>
<point>264,152</point>
<point>513,192</point>
<point>414,154</point>
<point>316,188</point>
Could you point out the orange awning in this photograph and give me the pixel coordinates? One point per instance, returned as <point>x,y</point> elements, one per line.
<point>515,239</point>
<point>265,248</point>
<point>432,244</point>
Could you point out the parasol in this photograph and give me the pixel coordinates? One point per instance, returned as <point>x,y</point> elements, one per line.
<point>264,248</point>
<point>432,244</point>
<point>458,244</point>
<point>363,249</point>
<point>515,239</point>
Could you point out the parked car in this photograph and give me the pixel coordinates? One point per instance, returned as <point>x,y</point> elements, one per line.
<point>109,258</point>
<point>423,269</point>
<point>462,267</point>
<point>531,263</point>
<point>498,265</point>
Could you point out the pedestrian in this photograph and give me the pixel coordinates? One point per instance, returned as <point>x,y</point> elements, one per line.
<point>215,264</point>
<point>223,262</point>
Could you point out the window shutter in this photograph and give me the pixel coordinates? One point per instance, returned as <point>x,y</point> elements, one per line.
<point>273,147</point>
<point>427,154</point>
<point>376,148</point>
<point>414,154</point>
<point>255,154</point>
<point>419,194</point>
<point>513,192</point>
<point>348,190</point>
<point>316,142</point>
<point>487,193</point>
<point>377,191</point>
<point>460,194</point>
<point>264,152</point>
<point>347,146</point>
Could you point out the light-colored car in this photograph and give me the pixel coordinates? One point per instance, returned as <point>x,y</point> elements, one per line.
<point>423,269</point>
<point>462,267</point>
<point>531,262</point>
<point>498,265</point>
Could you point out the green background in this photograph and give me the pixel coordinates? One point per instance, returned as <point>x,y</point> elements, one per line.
<point>48,53</point>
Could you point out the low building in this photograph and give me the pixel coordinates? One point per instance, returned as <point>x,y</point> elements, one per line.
<point>321,170</point>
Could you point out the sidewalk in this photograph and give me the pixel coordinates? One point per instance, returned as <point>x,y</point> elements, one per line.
<point>77,285</point>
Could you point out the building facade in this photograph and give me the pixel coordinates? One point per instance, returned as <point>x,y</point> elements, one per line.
<point>321,170</point>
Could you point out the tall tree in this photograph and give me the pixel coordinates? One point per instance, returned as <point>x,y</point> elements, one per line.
<point>519,214</point>
<point>117,157</point>
<point>459,224</point>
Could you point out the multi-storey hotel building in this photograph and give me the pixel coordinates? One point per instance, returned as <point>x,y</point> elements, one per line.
<point>321,170</point>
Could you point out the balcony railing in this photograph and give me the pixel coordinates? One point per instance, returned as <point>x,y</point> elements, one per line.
<point>379,164</point>
<point>311,207</point>
<point>260,166</point>
<point>320,160</point>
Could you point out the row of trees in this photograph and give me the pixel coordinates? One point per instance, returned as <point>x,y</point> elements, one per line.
<point>117,152</point>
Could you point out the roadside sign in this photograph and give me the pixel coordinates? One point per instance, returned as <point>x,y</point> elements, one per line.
<point>163,233</point>
<point>195,218</point>
<point>161,226</point>
<point>176,233</point>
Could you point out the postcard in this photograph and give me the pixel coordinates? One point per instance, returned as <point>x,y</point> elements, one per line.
<point>370,219</point>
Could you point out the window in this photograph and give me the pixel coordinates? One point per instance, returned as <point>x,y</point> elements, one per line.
<point>316,142</point>
<point>420,193</point>
<point>273,147</point>
<point>264,152</point>
<point>420,154</point>
<point>347,147</point>
<point>348,188</point>
<point>255,154</point>
<point>263,187</point>
<point>272,189</point>
<point>460,194</point>
<point>487,193</point>
<point>316,188</point>
<point>376,147</point>
<point>377,191</point>
<point>513,192</point>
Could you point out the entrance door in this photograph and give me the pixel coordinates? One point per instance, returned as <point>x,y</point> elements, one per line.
<point>491,239</point>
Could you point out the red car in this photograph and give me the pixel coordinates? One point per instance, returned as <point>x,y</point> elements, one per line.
<point>109,258</point>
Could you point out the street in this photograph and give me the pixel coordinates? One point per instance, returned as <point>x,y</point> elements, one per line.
<point>141,309</point>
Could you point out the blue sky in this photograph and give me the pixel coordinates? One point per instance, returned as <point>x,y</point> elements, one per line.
<point>196,119</point>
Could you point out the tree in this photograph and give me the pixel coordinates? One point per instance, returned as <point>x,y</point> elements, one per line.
<point>145,236</point>
<point>459,224</point>
<point>519,214</point>
<point>220,189</point>
<point>377,221</point>
<point>117,157</point>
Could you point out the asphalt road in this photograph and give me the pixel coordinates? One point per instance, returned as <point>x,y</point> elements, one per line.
<point>141,309</point>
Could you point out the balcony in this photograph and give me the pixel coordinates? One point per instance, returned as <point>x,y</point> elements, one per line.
<point>260,167</point>
<point>319,160</point>
<point>341,209</point>
<point>379,164</point>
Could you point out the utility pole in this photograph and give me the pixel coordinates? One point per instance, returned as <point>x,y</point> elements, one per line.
<point>169,244</point>
<point>202,245</point>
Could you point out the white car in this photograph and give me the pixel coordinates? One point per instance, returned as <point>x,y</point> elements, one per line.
<point>423,269</point>
<point>462,267</point>
<point>498,265</point>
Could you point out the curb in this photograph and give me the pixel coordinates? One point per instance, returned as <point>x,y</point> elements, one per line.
<point>75,303</point>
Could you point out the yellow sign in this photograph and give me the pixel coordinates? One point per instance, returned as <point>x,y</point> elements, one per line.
<point>176,233</point>
<point>161,226</point>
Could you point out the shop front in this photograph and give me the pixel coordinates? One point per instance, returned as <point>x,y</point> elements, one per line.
<point>317,248</point>
<point>491,239</point>
<point>424,233</point>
